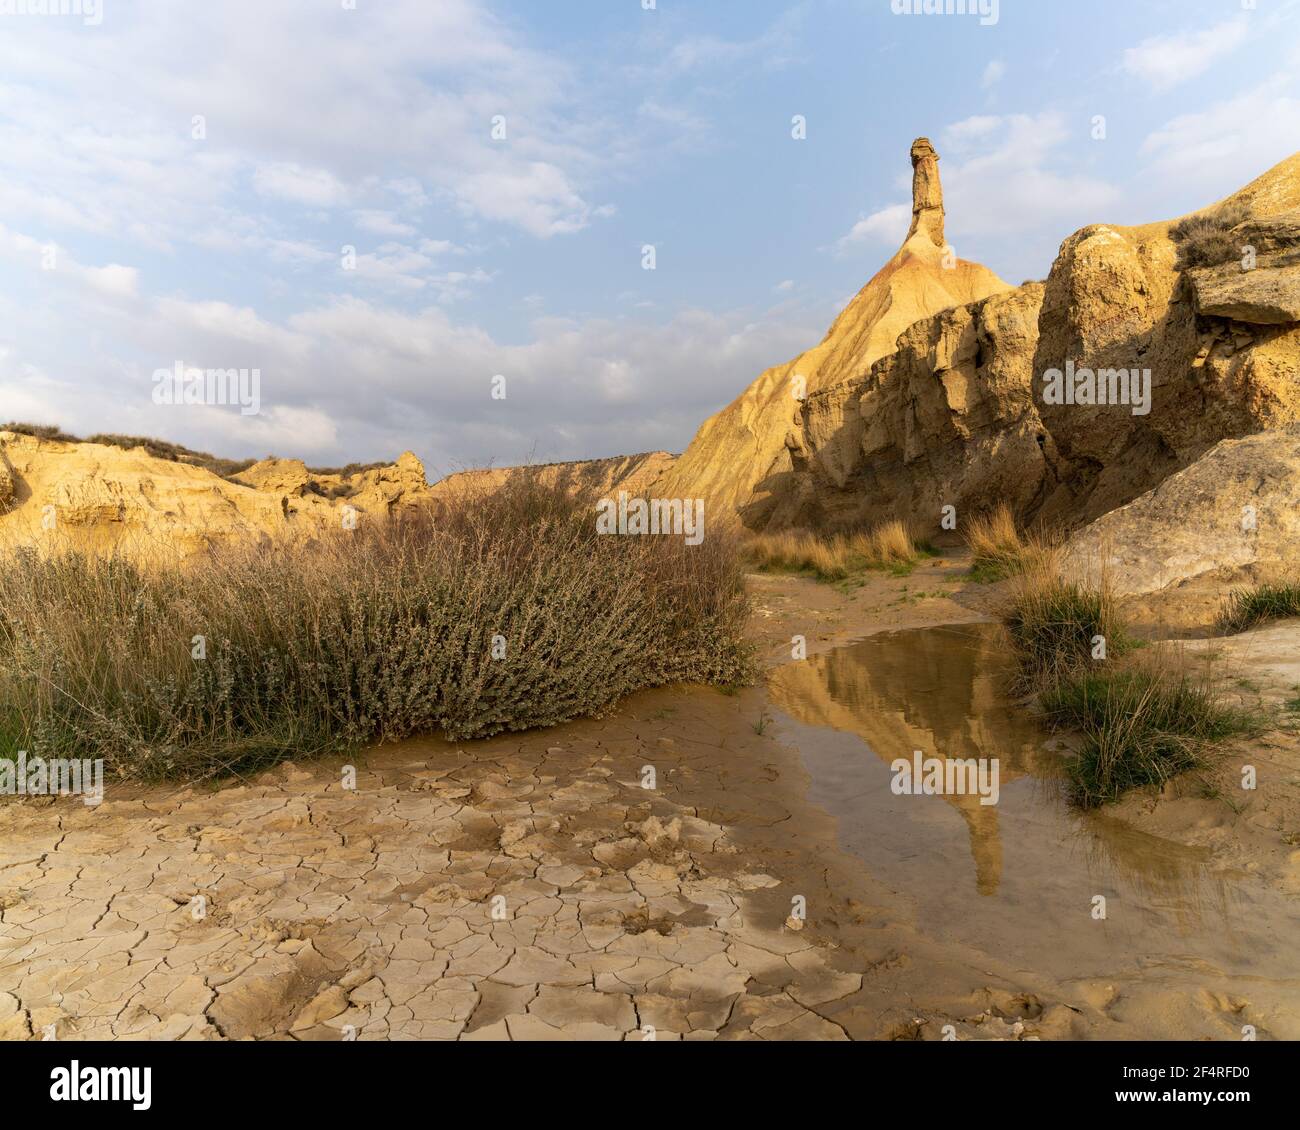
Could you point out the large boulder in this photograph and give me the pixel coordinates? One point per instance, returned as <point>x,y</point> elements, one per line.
<point>1232,516</point>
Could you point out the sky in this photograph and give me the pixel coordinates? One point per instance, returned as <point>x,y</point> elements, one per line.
<point>383,206</point>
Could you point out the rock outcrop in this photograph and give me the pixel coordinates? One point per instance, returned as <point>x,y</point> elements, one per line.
<point>1232,515</point>
<point>1223,360</point>
<point>960,412</point>
<point>100,497</point>
<point>946,420</point>
<point>61,492</point>
<point>591,478</point>
<point>742,459</point>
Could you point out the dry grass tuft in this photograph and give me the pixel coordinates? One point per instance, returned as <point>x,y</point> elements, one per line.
<point>1143,714</point>
<point>1000,549</point>
<point>887,546</point>
<point>1206,240</point>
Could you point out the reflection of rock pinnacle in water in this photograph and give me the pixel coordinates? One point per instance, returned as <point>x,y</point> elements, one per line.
<point>934,691</point>
<point>985,843</point>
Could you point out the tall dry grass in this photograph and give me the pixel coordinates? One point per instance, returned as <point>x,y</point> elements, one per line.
<point>1000,548</point>
<point>361,636</point>
<point>1057,624</point>
<point>889,545</point>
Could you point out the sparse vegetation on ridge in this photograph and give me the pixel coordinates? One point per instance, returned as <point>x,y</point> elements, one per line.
<point>363,636</point>
<point>172,452</point>
<point>1206,240</point>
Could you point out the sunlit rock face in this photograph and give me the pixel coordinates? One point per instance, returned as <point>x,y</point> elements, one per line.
<point>964,412</point>
<point>744,459</point>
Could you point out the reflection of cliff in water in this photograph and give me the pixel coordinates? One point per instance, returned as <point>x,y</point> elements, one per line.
<point>1036,860</point>
<point>940,691</point>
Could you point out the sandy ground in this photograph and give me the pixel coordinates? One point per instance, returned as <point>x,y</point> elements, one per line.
<point>656,874</point>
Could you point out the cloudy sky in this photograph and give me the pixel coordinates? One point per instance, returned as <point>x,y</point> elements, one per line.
<point>180,180</point>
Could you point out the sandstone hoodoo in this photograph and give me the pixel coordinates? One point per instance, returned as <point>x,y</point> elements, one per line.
<point>1145,347</point>
<point>744,460</point>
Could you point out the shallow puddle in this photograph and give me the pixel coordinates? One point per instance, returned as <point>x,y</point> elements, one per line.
<point>1017,878</point>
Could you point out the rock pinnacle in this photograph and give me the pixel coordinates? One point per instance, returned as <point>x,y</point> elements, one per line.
<point>927,192</point>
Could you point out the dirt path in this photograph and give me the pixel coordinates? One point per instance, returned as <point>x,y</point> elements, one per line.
<point>527,887</point>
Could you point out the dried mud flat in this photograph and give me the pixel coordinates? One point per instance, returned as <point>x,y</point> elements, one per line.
<point>526,888</point>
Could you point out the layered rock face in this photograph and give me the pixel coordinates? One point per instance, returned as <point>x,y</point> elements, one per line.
<point>1222,349</point>
<point>591,478</point>
<point>97,497</point>
<point>741,460</point>
<point>57,494</point>
<point>946,420</point>
<point>962,414</point>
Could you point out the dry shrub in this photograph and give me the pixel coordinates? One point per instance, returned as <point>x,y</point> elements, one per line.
<point>1206,240</point>
<point>357,637</point>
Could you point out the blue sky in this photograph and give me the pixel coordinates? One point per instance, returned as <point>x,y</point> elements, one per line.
<point>325,127</point>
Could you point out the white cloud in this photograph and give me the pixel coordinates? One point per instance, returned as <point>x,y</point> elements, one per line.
<point>993,74</point>
<point>886,226</point>
<point>1167,60</point>
<point>1019,179</point>
<point>291,182</point>
<point>1215,151</point>
<point>381,222</point>
<point>347,377</point>
<point>300,102</point>
<point>537,197</point>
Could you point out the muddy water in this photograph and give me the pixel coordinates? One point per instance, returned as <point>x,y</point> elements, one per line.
<point>1017,879</point>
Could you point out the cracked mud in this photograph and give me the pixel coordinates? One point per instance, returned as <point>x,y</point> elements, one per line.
<point>530,888</point>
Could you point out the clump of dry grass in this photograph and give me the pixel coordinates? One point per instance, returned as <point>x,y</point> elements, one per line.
<point>1250,607</point>
<point>1206,240</point>
<point>799,551</point>
<point>1000,549</point>
<point>1057,625</point>
<point>507,614</point>
<point>887,546</point>
<point>1143,715</point>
